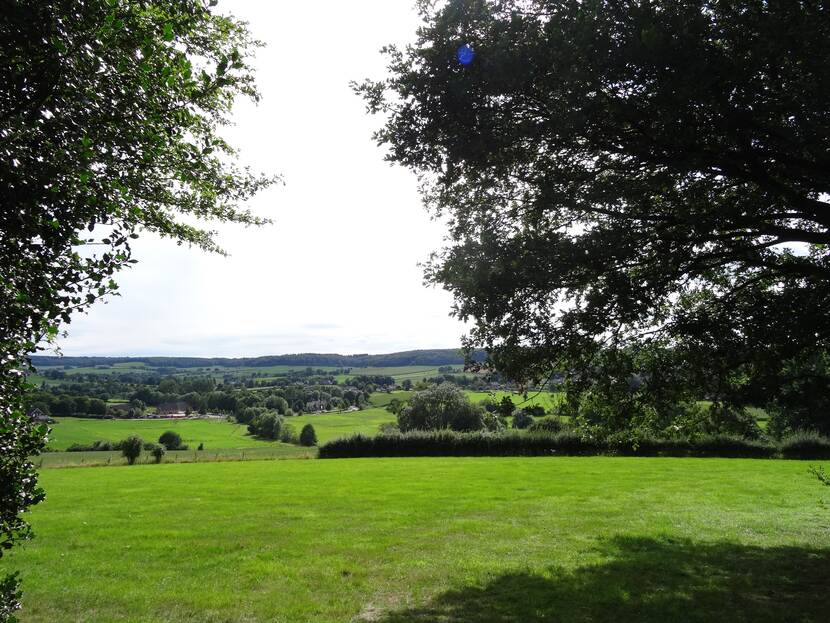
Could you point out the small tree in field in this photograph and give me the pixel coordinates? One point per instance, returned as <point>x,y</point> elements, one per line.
<point>131,448</point>
<point>522,419</point>
<point>506,407</point>
<point>158,452</point>
<point>171,440</point>
<point>307,436</point>
<point>441,407</point>
<point>288,434</point>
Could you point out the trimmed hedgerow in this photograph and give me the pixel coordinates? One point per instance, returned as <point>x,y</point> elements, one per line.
<point>449,443</point>
<point>549,425</point>
<point>805,445</point>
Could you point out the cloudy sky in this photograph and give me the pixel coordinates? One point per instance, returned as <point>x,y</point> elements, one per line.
<point>338,270</point>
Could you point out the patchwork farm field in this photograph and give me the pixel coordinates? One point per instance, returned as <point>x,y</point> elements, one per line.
<point>215,434</point>
<point>431,540</point>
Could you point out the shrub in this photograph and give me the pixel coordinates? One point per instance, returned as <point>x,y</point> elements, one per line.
<point>551,425</point>
<point>493,422</point>
<point>95,446</point>
<point>288,434</point>
<point>535,410</point>
<point>158,452</point>
<point>450,443</point>
<point>730,420</point>
<point>506,406</point>
<point>131,448</point>
<point>266,425</point>
<point>247,415</point>
<point>171,440</point>
<point>489,405</point>
<point>201,446</point>
<point>521,419</point>
<point>805,445</point>
<point>307,436</point>
<point>388,428</point>
<point>732,446</point>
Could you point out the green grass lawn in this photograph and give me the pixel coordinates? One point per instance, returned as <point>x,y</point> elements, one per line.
<point>381,399</point>
<point>475,540</point>
<point>330,426</point>
<point>213,433</point>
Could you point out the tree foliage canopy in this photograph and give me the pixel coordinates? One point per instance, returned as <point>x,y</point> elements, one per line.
<point>624,173</point>
<point>110,112</point>
<point>441,407</point>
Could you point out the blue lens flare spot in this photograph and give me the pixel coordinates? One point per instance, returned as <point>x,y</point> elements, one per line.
<point>465,54</point>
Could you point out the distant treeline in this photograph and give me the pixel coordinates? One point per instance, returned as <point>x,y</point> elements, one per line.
<point>435,357</point>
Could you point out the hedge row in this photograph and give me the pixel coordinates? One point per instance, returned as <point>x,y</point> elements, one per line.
<point>109,446</point>
<point>448,443</point>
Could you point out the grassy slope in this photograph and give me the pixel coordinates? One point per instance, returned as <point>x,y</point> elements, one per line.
<point>330,426</point>
<point>215,434</point>
<point>429,540</point>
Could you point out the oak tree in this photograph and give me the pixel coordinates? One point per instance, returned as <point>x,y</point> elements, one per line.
<point>624,174</point>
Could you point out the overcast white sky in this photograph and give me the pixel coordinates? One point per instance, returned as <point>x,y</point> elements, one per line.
<point>337,272</point>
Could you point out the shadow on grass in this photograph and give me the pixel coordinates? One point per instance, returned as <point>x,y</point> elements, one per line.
<point>648,580</point>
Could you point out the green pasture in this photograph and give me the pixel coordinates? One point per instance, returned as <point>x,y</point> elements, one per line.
<point>396,371</point>
<point>473,540</point>
<point>330,426</point>
<point>546,399</point>
<point>382,399</point>
<point>214,433</point>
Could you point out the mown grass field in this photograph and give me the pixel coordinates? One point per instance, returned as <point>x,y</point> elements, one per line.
<point>431,540</point>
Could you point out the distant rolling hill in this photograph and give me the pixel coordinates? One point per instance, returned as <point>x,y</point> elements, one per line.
<point>434,357</point>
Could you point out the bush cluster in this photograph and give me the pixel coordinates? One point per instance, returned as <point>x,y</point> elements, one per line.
<point>568,443</point>
<point>170,440</point>
<point>805,445</point>
<point>522,419</point>
<point>102,445</point>
<point>308,436</point>
<point>548,425</point>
